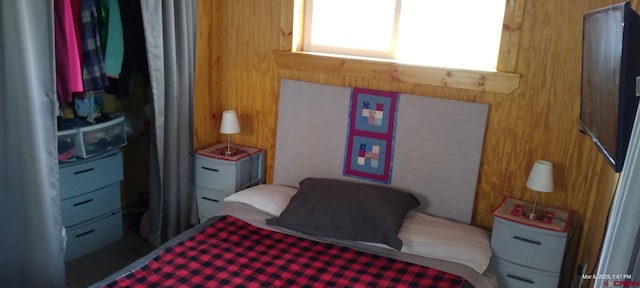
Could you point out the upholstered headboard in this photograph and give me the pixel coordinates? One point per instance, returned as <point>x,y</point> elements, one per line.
<point>436,155</point>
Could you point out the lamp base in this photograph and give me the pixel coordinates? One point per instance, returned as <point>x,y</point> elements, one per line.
<point>527,212</point>
<point>229,152</point>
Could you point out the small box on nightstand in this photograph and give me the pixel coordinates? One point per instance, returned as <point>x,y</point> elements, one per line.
<point>218,174</point>
<point>528,253</point>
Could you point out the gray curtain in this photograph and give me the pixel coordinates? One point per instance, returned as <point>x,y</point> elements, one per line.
<point>169,28</point>
<point>31,246</point>
<point>619,252</point>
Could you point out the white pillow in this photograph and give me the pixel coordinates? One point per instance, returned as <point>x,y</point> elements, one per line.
<point>421,234</point>
<point>435,237</point>
<point>270,198</point>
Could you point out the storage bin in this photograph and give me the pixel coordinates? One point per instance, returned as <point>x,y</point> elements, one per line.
<point>511,275</point>
<point>90,205</point>
<point>84,176</point>
<point>66,145</point>
<point>528,246</point>
<point>209,202</point>
<point>88,237</point>
<point>99,138</point>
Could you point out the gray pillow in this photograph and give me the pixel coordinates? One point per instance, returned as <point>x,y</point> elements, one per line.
<point>347,210</point>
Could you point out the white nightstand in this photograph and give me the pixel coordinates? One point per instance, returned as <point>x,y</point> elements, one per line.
<point>528,253</point>
<point>218,176</point>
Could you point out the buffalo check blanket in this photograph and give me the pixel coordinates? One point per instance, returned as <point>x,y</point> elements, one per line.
<point>233,253</point>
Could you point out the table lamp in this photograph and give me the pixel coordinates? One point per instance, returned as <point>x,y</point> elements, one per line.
<point>229,126</point>
<point>540,180</point>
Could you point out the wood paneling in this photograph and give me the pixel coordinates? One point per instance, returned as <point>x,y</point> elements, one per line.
<point>510,40</point>
<point>236,69</point>
<point>501,82</point>
<point>207,94</point>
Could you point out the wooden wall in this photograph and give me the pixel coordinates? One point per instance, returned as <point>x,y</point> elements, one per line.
<point>236,69</point>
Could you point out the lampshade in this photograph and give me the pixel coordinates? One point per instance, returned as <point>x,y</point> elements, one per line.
<point>541,177</point>
<point>229,123</point>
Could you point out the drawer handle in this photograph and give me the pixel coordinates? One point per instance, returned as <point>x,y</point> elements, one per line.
<point>83,171</point>
<point>210,199</point>
<point>210,169</point>
<point>521,279</point>
<point>527,240</point>
<point>82,202</point>
<point>85,233</point>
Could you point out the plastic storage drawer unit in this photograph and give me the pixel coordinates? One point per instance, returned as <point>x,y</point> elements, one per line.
<point>99,138</point>
<point>84,176</point>
<point>90,236</point>
<point>66,145</point>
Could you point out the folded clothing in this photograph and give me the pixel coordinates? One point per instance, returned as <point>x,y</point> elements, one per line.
<point>66,150</point>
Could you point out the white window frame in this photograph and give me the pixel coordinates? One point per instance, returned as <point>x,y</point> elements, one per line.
<point>386,55</point>
<point>290,57</point>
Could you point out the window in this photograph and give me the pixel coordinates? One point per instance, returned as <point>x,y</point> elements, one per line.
<point>456,34</point>
<point>293,55</point>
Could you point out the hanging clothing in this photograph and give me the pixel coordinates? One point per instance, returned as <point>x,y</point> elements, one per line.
<point>77,24</point>
<point>103,14</point>
<point>115,44</point>
<point>93,74</point>
<point>68,68</point>
<point>135,55</point>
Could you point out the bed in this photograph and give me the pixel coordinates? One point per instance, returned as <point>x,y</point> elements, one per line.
<point>244,238</point>
<point>404,224</point>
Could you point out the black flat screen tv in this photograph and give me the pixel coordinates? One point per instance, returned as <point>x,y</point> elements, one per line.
<point>610,70</point>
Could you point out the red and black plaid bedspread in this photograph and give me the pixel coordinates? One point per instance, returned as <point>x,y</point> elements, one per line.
<point>234,253</point>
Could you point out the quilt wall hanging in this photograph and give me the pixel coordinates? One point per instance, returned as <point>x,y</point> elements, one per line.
<point>371,135</point>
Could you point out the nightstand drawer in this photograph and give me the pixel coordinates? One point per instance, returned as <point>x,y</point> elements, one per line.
<point>88,175</point>
<point>514,276</point>
<point>528,246</point>
<point>215,174</point>
<point>209,201</point>
<point>84,207</point>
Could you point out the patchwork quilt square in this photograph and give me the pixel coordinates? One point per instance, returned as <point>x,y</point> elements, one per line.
<point>371,134</point>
